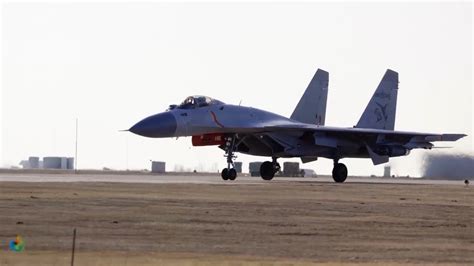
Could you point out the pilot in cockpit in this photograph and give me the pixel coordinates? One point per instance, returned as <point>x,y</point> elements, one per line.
<point>193,102</point>
<point>188,103</point>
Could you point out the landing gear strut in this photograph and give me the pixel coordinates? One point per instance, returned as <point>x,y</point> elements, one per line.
<point>339,172</point>
<point>268,169</point>
<point>229,173</point>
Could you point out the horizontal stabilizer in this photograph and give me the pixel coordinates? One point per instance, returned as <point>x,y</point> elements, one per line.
<point>438,137</point>
<point>445,137</point>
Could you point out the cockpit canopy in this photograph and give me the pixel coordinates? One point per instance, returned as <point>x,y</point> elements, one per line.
<point>197,101</point>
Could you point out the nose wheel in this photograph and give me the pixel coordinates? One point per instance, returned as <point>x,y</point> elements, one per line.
<point>229,173</point>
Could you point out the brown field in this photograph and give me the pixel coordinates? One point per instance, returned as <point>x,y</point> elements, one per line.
<point>267,223</point>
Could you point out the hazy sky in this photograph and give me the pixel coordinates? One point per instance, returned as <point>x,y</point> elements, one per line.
<point>112,64</point>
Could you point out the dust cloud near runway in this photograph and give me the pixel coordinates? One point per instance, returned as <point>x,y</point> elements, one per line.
<point>448,166</point>
<point>283,222</point>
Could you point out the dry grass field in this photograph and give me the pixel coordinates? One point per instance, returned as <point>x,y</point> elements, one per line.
<point>268,223</point>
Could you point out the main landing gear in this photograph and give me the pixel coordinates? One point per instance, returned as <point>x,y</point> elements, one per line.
<point>339,172</point>
<point>229,173</point>
<point>268,169</point>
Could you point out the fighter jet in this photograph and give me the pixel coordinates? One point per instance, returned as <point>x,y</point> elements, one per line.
<point>248,130</point>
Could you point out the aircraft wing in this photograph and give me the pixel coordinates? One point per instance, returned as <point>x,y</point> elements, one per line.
<point>365,131</point>
<point>372,139</point>
<point>351,133</point>
<point>380,144</point>
<point>409,139</point>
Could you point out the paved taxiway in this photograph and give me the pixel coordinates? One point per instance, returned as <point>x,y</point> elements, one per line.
<point>188,220</point>
<point>202,179</point>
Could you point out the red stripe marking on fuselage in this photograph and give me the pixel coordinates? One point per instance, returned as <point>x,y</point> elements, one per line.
<point>215,119</point>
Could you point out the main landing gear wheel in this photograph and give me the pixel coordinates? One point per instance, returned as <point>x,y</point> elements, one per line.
<point>268,169</point>
<point>339,172</point>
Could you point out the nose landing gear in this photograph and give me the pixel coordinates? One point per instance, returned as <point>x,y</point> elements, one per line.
<point>229,173</point>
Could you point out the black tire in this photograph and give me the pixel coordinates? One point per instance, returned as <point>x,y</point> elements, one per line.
<point>225,174</point>
<point>339,173</point>
<point>232,174</point>
<point>267,172</point>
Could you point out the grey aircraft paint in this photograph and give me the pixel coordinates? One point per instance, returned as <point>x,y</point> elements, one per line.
<point>257,132</point>
<point>311,108</point>
<point>381,109</point>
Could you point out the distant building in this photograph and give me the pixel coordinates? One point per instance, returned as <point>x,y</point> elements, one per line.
<point>33,162</point>
<point>254,168</point>
<point>158,167</point>
<point>52,163</point>
<point>308,173</point>
<point>25,164</point>
<point>291,169</point>
<point>386,171</point>
<point>238,167</point>
<point>70,163</point>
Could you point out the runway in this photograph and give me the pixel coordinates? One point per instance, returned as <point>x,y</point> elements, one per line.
<point>203,179</point>
<point>203,220</point>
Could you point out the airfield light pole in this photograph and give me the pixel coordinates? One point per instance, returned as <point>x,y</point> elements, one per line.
<point>75,156</point>
<point>126,151</point>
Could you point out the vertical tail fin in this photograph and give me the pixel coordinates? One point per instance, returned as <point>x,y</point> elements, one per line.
<point>311,108</point>
<point>381,109</point>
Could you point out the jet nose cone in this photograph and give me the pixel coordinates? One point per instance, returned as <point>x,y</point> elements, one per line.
<point>156,126</point>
